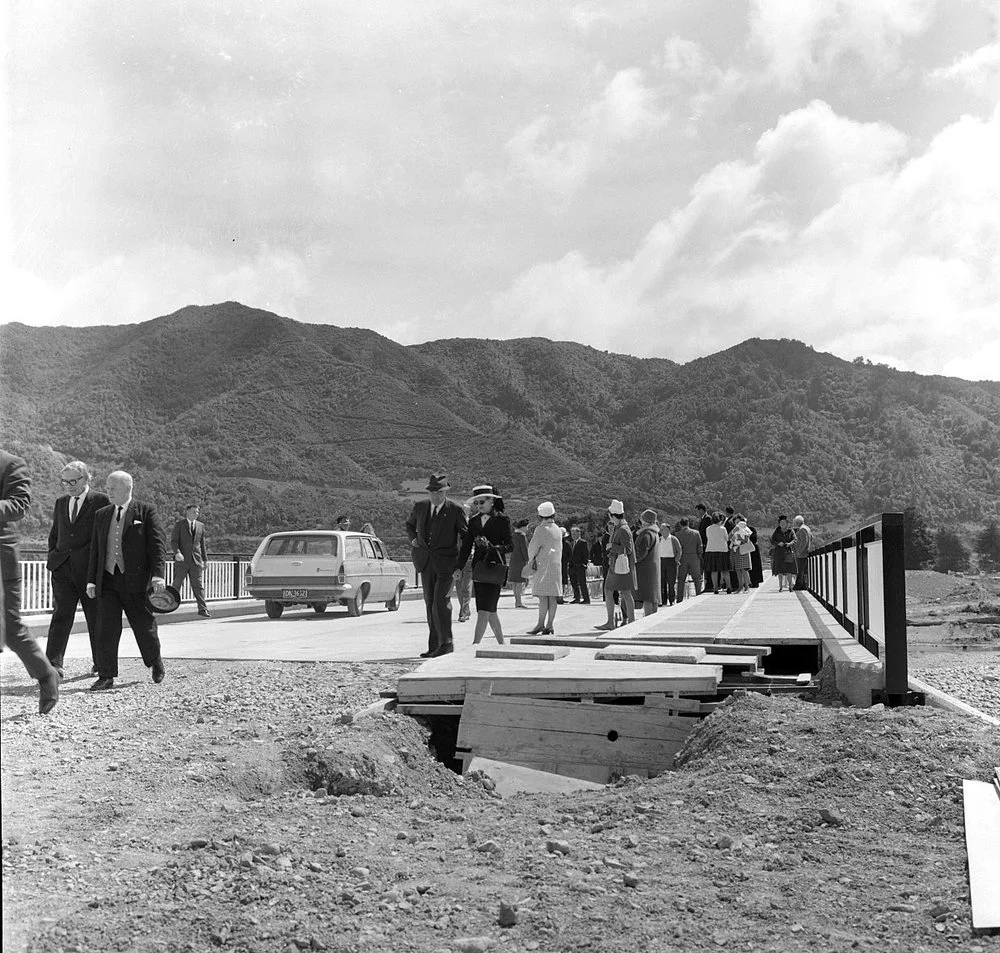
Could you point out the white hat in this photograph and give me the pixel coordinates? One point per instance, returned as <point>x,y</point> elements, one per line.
<point>483,491</point>
<point>616,508</point>
<point>546,509</point>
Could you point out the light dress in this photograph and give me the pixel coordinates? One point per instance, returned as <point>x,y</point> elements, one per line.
<point>546,547</point>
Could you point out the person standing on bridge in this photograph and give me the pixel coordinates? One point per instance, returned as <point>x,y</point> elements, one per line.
<point>437,528</point>
<point>488,541</point>
<point>15,501</point>
<point>782,554</point>
<point>545,552</point>
<point>68,560</point>
<point>803,543</point>
<point>690,559</point>
<point>621,567</point>
<point>190,555</point>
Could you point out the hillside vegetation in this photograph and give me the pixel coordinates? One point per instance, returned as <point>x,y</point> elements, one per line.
<point>274,424</point>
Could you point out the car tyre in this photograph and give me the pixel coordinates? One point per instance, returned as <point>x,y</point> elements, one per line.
<point>356,605</point>
<point>319,607</point>
<point>393,604</point>
<point>273,609</point>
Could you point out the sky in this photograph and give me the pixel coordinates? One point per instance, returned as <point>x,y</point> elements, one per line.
<point>653,177</point>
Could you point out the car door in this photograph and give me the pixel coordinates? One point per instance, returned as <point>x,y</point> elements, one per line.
<point>374,564</point>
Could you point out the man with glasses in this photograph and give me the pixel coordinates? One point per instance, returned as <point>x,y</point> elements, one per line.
<point>69,559</point>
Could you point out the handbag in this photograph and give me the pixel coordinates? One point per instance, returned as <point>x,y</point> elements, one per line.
<point>746,548</point>
<point>493,574</point>
<point>621,566</point>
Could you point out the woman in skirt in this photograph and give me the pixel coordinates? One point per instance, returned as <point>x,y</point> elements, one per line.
<point>545,552</point>
<point>782,560</point>
<point>620,543</point>
<point>717,553</point>
<point>488,541</point>
<point>739,560</point>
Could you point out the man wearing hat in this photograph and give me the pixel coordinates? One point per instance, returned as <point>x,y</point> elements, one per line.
<point>127,554</point>
<point>437,529</point>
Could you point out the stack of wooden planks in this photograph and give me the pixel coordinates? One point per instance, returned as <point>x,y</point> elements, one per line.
<point>585,708</point>
<point>982,843</point>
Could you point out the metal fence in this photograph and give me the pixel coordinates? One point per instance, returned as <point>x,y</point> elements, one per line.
<point>861,582</point>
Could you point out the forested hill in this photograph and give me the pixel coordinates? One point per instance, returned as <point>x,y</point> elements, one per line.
<point>273,424</point>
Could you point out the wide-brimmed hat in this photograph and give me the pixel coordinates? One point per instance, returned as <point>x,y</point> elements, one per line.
<point>616,508</point>
<point>546,509</point>
<point>438,481</point>
<point>483,491</point>
<point>163,600</point>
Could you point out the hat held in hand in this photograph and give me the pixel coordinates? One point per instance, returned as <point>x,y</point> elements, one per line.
<point>162,600</point>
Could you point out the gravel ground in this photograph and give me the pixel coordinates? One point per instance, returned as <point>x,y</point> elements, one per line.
<point>239,806</point>
<point>971,677</point>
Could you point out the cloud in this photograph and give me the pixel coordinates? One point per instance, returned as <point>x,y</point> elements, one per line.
<point>560,160</point>
<point>979,71</point>
<point>832,233</point>
<point>803,41</point>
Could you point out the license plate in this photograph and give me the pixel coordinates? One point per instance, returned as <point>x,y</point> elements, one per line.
<point>294,593</point>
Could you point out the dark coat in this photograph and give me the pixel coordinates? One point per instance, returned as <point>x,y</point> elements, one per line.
<point>581,553</point>
<point>496,532</point>
<point>144,545</point>
<point>441,543</point>
<point>69,543</point>
<point>519,559</point>
<point>15,500</point>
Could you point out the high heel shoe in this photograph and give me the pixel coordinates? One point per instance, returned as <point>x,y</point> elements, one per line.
<point>548,631</point>
<point>606,627</point>
<point>537,630</point>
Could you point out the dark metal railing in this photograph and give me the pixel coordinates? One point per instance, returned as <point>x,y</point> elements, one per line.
<point>861,582</point>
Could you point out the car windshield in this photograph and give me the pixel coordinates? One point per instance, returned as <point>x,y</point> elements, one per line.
<point>302,546</point>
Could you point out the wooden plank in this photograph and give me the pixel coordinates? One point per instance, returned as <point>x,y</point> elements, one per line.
<point>516,778</point>
<point>538,653</point>
<point>528,730</point>
<point>650,653</point>
<point>585,642</point>
<point>982,844</point>
<point>430,709</point>
<point>376,708</point>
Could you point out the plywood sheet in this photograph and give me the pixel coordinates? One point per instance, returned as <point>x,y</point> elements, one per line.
<point>516,778</point>
<point>650,653</point>
<point>982,843</point>
<point>539,653</point>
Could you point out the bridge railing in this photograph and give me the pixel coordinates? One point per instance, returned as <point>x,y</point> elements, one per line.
<point>861,582</point>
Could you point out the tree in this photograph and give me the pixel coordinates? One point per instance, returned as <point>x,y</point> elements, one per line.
<point>988,547</point>
<point>952,553</point>
<point>918,543</point>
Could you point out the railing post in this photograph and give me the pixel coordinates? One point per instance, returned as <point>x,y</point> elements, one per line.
<point>236,576</point>
<point>894,600</point>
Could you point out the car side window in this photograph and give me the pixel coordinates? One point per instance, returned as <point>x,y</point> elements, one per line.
<point>353,546</point>
<point>377,546</point>
<point>366,548</point>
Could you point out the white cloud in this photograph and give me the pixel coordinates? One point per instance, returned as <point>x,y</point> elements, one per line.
<point>896,255</point>
<point>803,41</point>
<point>978,70</point>
<point>560,160</point>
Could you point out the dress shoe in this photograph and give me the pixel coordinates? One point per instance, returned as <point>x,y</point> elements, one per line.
<point>204,613</point>
<point>102,685</point>
<point>159,672</point>
<point>548,631</point>
<point>48,693</point>
<point>606,627</point>
<point>426,654</point>
<point>463,618</point>
<point>445,649</point>
<point>574,602</point>
<point>537,630</point>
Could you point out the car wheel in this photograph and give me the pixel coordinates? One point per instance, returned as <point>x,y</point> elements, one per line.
<point>357,605</point>
<point>393,604</point>
<point>319,607</point>
<point>273,609</point>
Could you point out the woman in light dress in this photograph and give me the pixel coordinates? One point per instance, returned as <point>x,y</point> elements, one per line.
<point>545,554</point>
<point>739,561</point>
<point>624,583</point>
<point>717,554</point>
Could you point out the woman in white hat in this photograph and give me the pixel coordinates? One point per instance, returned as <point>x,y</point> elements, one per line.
<point>545,552</point>
<point>488,541</point>
<point>621,577</point>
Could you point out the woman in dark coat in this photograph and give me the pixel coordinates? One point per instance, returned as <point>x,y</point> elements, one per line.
<point>620,543</point>
<point>756,564</point>
<point>488,541</point>
<point>518,560</point>
<point>782,559</point>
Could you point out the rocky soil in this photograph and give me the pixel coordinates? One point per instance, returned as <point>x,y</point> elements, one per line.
<point>242,807</point>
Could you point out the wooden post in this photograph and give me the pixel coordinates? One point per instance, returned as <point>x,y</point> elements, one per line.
<point>894,600</point>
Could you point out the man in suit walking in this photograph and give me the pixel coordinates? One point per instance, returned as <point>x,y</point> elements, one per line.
<point>188,543</point>
<point>15,500</point>
<point>127,554</point>
<point>436,528</point>
<point>579,557</point>
<point>69,560</point>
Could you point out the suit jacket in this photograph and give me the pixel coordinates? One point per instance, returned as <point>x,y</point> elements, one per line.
<point>192,548</point>
<point>69,543</point>
<point>15,500</point>
<point>144,545</point>
<point>441,543</point>
<point>581,553</point>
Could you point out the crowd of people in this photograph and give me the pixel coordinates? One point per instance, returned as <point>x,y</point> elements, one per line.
<point>473,548</point>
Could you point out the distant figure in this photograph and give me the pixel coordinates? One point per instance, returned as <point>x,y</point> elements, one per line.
<point>437,529</point>
<point>578,558</point>
<point>803,543</point>
<point>739,552</point>
<point>704,521</point>
<point>783,554</point>
<point>368,528</point>
<point>69,559</point>
<point>756,563</point>
<point>691,559</point>
<point>190,555</point>
<point>545,550</point>
<point>488,541</point>
<point>717,555</point>
<point>669,551</point>
<point>620,543</point>
<point>518,560</point>
<point>127,554</point>
<point>567,552</point>
<point>344,523</point>
<point>647,562</point>
<point>462,578</point>
<point>15,499</point>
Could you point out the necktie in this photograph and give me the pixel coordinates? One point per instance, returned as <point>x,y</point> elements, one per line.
<point>118,515</point>
<point>74,508</point>
<point>434,511</point>
<point>192,529</point>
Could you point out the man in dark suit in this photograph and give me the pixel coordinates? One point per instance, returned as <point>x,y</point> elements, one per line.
<point>69,560</point>
<point>127,554</point>
<point>15,500</point>
<point>188,543</point>
<point>436,528</point>
<point>579,557</point>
